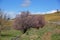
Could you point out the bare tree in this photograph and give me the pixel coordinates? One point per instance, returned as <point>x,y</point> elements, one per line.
<point>3,20</point>
<point>25,21</point>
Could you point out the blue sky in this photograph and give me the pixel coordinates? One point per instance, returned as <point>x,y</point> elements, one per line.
<point>31,5</point>
<point>35,5</point>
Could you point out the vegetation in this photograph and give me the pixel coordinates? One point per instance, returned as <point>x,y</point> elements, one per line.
<point>26,21</point>
<point>49,32</point>
<point>3,22</point>
<point>55,36</point>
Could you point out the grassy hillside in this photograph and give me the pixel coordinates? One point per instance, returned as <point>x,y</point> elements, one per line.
<point>49,32</point>
<point>53,16</point>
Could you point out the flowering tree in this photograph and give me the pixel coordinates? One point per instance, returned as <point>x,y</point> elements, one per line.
<point>26,21</point>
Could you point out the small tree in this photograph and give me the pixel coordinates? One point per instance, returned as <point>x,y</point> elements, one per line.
<point>25,21</point>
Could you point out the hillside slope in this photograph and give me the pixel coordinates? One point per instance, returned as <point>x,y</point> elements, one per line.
<point>53,16</point>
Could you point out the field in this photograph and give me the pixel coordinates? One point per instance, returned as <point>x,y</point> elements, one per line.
<point>49,32</point>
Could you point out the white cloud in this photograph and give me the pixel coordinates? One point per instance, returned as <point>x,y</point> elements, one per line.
<point>48,12</point>
<point>11,14</point>
<point>52,11</point>
<point>26,3</point>
<point>38,13</point>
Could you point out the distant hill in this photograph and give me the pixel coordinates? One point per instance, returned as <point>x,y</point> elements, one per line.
<point>53,16</point>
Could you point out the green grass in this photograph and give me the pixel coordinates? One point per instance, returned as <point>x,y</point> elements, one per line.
<point>56,37</point>
<point>7,35</point>
<point>32,33</point>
